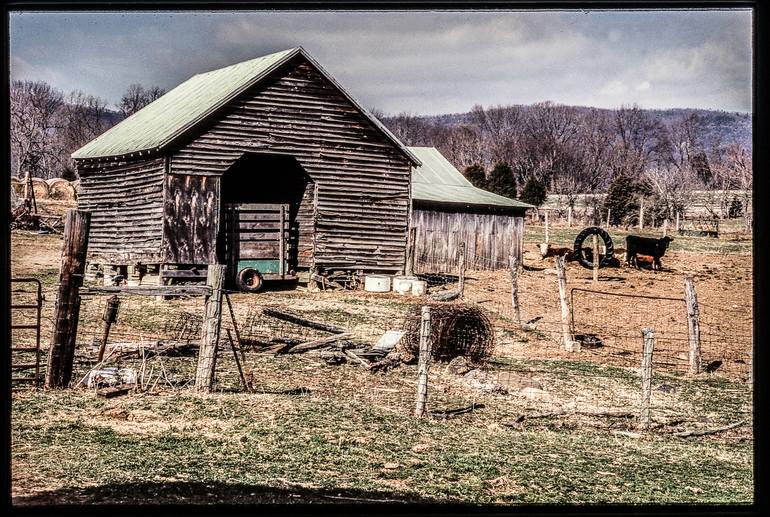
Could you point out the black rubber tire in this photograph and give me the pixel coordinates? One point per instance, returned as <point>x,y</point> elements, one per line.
<point>578,247</point>
<point>249,280</point>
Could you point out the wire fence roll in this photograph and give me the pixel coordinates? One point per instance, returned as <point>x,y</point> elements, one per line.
<point>456,330</point>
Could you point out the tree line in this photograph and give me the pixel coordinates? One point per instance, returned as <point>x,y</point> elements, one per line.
<point>47,125</point>
<point>526,152</point>
<point>523,152</point>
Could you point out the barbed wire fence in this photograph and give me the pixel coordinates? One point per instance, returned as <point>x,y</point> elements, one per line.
<point>606,377</point>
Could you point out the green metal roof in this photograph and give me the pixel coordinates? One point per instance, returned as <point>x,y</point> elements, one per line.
<point>161,122</point>
<point>438,181</point>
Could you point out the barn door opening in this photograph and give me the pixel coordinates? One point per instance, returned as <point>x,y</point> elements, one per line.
<point>263,201</point>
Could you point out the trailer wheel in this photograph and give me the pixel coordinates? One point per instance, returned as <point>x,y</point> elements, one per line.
<point>578,248</point>
<point>249,280</point>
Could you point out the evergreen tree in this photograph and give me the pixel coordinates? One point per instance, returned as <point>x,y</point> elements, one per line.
<point>622,200</point>
<point>501,181</point>
<point>534,192</point>
<point>476,175</point>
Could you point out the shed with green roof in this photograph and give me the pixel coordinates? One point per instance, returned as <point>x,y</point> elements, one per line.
<point>266,163</point>
<point>448,210</point>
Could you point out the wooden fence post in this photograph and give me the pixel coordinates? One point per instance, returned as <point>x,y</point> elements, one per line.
<point>595,268</point>
<point>569,217</point>
<point>546,227</point>
<point>514,265</point>
<point>212,321</point>
<point>649,344</point>
<point>665,227</point>
<point>641,214</point>
<point>693,324</point>
<point>676,227</point>
<point>461,269</point>
<point>423,362</point>
<point>566,332</point>
<point>608,217</point>
<point>61,354</point>
<point>110,316</point>
<point>410,248</point>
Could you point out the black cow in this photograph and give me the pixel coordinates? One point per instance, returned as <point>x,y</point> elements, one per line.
<point>656,248</point>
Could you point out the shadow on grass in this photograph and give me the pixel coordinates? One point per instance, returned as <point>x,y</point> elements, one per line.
<point>215,493</point>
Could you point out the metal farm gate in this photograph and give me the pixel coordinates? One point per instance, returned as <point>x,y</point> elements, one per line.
<point>26,308</point>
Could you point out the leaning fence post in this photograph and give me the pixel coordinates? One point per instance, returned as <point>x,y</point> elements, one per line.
<point>649,344</point>
<point>61,354</point>
<point>423,361</point>
<point>566,332</point>
<point>693,324</point>
<point>212,320</point>
<point>109,317</point>
<point>514,265</point>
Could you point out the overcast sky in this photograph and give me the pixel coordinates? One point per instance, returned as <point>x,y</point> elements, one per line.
<point>416,62</point>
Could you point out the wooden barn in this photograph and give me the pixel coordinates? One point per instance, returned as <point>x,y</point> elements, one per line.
<point>447,210</point>
<point>267,165</point>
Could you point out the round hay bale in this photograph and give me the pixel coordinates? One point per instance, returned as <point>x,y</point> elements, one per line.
<point>41,189</point>
<point>17,186</point>
<point>456,330</point>
<point>61,189</point>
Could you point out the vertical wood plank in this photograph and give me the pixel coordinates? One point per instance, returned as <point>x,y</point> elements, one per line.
<point>61,353</point>
<point>423,364</point>
<point>649,344</point>
<point>212,321</point>
<point>566,333</point>
<point>693,325</point>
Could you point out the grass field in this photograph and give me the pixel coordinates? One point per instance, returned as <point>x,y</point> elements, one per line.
<point>315,433</point>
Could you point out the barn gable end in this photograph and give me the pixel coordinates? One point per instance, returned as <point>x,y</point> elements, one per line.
<point>351,213</point>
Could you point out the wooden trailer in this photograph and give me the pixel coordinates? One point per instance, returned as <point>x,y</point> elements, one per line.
<point>183,183</point>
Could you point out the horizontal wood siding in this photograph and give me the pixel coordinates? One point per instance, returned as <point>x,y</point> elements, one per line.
<point>489,240</point>
<point>125,199</point>
<point>362,180</point>
<point>191,219</point>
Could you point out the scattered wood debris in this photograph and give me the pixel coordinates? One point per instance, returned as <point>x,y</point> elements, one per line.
<point>702,432</point>
<point>450,413</point>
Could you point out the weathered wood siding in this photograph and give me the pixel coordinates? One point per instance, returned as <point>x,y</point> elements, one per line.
<point>191,219</point>
<point>489,239</point>
<point>359,219</point>
<point>125,199</point>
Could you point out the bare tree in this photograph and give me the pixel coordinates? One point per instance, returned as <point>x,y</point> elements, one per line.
<point>34,109</point>
<point>137,97</point>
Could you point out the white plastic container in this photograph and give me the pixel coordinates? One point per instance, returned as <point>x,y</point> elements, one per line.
<point>403,284</point>
<point>377,283</point>
<point>419,287</point>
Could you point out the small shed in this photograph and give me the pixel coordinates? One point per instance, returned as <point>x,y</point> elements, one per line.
<point>266,164</point>
<point>447,210</point>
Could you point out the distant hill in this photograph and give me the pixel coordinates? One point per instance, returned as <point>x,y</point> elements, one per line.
<point>723,126</point>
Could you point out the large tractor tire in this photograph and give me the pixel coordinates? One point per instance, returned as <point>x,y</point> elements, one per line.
<point>249,280</point>
<point>578,247</point>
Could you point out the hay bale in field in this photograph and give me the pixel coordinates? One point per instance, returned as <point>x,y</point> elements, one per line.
<point>456,330</point>
<point>42,191</point>
<point>17,186</point>
<point>61,189</point>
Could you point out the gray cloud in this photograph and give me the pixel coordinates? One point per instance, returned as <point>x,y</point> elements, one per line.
<point>419,62</point>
